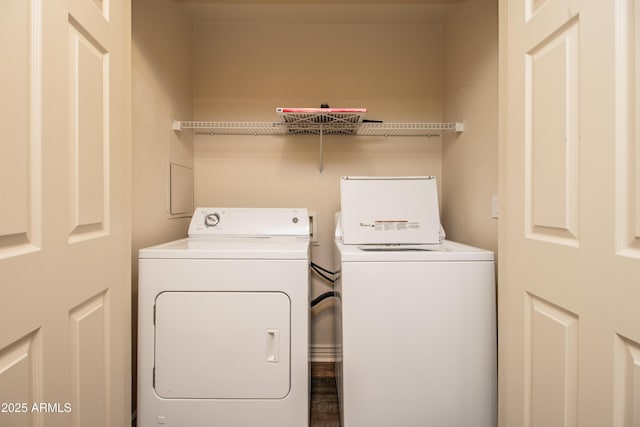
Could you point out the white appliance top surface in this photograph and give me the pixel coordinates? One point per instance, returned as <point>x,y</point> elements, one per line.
<point>231,248</point>
<point>445,251</point>
<point>240,233</point>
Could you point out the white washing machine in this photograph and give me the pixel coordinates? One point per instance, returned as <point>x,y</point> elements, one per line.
<point>416,322</point>
<point>223,322</point>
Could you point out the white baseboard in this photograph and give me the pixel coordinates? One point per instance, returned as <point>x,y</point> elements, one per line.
<point>323,353</point>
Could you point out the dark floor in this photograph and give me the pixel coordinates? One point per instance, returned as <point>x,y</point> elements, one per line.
<point>324,396</point>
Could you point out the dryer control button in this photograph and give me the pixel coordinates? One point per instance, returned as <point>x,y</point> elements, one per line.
<point>212,220</point>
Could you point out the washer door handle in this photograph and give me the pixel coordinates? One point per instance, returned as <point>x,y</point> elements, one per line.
<point>273,345</point>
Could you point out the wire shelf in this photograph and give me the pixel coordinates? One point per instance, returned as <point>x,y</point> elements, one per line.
<point>306,127</point>
<point>310,121</point>
<point>405,129</point>
<point>232,128</point>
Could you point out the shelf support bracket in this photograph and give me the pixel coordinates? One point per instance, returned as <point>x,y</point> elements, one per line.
<point>321,128</point>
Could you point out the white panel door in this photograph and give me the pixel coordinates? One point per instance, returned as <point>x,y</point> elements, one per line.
<point>64,214</point>
<point>569,264</point>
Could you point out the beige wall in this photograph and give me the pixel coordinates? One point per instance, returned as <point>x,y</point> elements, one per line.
<point>244,71</point>
<point>470,159</point>
<point>162,89</point>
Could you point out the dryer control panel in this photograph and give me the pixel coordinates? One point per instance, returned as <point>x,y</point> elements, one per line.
<point>249,222</point>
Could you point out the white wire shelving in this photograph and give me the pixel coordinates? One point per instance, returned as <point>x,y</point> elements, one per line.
<point>283,128</point>
<point>318,123</point>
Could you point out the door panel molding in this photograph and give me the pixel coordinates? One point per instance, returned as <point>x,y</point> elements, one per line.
<point>552,198</point>
<point>21,379</point>
<point>90,362</point>
<point>627,129</point>
<point>20,163</point>
<point>627,382</point>
<point>89,133</point>
<point>551,364</point>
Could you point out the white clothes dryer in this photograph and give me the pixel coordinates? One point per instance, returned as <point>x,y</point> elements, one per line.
<point>223,322</point>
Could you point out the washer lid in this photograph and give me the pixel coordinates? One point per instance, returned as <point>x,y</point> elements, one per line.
<point>388,210</point>
<point>445,251</point>
<point>231,248</point>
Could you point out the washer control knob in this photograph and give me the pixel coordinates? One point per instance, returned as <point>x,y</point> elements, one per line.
<point>211,220</point>
<point>295,220</point>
